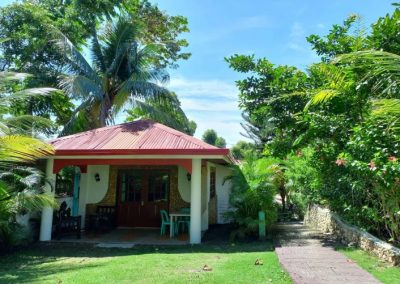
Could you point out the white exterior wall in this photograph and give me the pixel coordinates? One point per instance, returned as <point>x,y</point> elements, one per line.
<point>97,189</point>
<point>183,184</point>
<point>223,192</point>
<point>92,191</point>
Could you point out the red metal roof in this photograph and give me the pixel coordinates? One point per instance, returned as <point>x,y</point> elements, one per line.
<point>138,137</point>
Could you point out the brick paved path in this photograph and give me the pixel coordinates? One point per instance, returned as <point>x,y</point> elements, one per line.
<point>309,257</point>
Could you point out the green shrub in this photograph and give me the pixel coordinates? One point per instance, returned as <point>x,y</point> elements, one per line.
<point>252,191</point>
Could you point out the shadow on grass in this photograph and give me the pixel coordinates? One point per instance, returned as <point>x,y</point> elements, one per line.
<point>45,260</point>
<point>39,261</point>
<point>36,263</point>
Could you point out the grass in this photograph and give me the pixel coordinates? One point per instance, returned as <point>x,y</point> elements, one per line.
<point>381,270</point>
<point>58,263</point>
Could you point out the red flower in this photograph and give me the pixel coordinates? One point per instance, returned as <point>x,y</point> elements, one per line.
<point>340,162</point>
<point>372,166</point>
<point>392,159</point>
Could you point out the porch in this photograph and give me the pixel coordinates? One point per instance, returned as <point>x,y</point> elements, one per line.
<point>127,237</point>
<point>141,169</point>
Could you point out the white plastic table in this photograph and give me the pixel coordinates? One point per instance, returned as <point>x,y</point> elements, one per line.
<point>173,218</point>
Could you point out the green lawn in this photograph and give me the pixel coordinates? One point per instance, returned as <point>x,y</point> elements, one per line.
<point>381,270</point>
<point>143,264</point>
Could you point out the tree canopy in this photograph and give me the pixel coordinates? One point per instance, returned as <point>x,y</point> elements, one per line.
<point>211,137</point>
<point>30,29</point>
<point>336,125</point>
<point>165,112</point>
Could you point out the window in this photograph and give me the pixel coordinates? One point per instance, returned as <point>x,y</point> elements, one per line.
<point>212,182</point>
<point>158,186</point>
<point>131,187</point>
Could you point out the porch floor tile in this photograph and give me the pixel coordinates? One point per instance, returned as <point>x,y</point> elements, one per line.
<point>123,237</point>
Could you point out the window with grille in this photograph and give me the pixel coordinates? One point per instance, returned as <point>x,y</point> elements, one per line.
<point>158,186</point>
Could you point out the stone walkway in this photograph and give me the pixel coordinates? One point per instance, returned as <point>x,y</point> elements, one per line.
<point>309,257</point>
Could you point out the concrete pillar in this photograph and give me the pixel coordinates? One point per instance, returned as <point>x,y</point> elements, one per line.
<point>195,203</point>
<point>204,198</point>
<point>47,212</point>
<point>84,188</point>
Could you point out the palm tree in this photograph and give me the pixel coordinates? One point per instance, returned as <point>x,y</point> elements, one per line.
<point>165,112</point>
<point>253,189</point>
<point>378,69</point>
<point>21,185</point>
<point>121,72</point>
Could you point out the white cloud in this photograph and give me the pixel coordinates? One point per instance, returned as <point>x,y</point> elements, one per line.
<point>321,26</point>
<point>297,37</point>
<point>204,105</point>
<point>195,88</point>
<point>211,104</point>
<point>242,24</point>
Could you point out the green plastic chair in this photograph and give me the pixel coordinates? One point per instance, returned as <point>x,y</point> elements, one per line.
<point>184,221</point>
<point>165,221</point>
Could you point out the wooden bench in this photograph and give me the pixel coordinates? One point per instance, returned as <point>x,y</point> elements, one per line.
<point>103,220</point>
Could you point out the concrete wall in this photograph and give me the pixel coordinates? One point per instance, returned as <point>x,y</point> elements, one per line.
<point>183,184</point>
<point>92,191</point>
<point>97,189</point>
<point>325,220</point>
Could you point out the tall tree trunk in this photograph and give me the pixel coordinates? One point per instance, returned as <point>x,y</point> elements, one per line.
<point>105,109</point>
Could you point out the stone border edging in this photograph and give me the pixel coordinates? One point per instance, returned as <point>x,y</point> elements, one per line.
<point>329,222</point>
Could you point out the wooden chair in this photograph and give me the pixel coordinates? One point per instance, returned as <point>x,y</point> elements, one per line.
<point>104,219</point>
<point>65,224</point>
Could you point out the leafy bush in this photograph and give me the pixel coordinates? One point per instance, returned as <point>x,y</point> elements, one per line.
<point>252,191</point>
<point>21,192</point>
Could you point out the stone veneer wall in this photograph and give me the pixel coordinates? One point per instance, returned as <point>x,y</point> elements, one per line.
<point>175,200</point>
<point>328,222</point>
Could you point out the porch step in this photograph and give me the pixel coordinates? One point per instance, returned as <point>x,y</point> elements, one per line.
<point>115,245</point>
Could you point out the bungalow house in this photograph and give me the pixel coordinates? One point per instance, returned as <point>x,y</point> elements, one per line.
<point>142,167</point>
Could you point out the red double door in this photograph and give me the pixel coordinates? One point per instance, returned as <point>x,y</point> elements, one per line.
<point>141,196</point>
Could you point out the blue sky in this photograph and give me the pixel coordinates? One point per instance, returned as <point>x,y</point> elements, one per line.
<point>272,29</point>
<point>267,28</point>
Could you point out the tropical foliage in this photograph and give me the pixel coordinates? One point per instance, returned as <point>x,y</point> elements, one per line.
<point>122,71</point>
<point>131,43</point>
<point>335,126</point>
<point>30,47</point>
<point>211,137</point>
<point>241,149</point>
<point>254,186</point>
<point>21,185</point>
<point>166,112</point>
